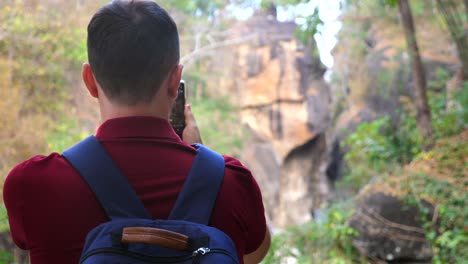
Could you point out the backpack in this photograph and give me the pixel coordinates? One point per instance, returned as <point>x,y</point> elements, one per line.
<point>132,236</point>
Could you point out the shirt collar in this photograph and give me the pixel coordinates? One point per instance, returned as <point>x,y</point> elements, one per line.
<point>136,127</point>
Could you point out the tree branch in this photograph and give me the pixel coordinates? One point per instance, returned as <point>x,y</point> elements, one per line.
<point>200,52</point>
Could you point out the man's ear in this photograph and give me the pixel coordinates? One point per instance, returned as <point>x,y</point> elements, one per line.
<point>174,80</point>
<point>89,80</point>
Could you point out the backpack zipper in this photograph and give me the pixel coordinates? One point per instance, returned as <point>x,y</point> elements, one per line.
<point>196,255</point>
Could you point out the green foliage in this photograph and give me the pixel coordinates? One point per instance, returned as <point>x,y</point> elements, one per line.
<point>219,124</point>
<point>6,257</point>
<point>391,3</point>
<point>42,46</point>
<point>3,219</point>
<point>309,28</point>
<point>326,241</point>
<point>39,48</point>
<point>376,144</point>
<point>306,29</point>
<point>462,100</point>
<point>447,122</point>
<point>380,146</point>
<point>442,76</point>
<point>452,121</point>
<point>445,224</point>
<point>417,7</point>
<point>64,135</point>
<point>437,185</point>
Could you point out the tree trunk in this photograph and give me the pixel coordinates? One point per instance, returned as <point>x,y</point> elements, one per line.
<point>465,36</point>
<point>455,23</point>
<point>466,7</point>
<point>420,98</point>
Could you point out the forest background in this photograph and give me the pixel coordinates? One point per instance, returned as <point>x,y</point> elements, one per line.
<point>45,108</point>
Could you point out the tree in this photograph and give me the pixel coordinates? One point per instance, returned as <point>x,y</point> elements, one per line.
<point>455,22</point>
<point>423,111</point>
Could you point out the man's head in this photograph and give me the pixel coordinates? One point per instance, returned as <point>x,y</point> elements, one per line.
<point>133,46</point>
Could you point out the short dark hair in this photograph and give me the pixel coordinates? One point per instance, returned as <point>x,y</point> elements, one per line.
<point>132,47</point>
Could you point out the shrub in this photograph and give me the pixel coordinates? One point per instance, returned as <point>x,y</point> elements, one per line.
<point>327,240</point>
<point>219,124</point>
<point>449,122</point>
<point>379,147</point>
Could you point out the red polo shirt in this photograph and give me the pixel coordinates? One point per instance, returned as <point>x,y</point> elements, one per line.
<point>51,209</point>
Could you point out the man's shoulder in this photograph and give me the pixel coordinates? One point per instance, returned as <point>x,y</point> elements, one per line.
<point>37,169</point>
<point>239,179</point>
<point>237,172</point>
<point>235,165</point>
<point>40,162</point>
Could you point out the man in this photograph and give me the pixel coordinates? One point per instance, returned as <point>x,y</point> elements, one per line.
<point>133,72</point>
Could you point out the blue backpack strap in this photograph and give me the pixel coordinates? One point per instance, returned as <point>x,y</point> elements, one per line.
<point>198,196</point>
<point>111,188</point>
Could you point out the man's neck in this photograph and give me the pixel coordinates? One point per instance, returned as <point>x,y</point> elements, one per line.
<point>110,111</point>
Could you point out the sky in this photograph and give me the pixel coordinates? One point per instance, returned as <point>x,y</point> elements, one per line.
<point>329,11</point>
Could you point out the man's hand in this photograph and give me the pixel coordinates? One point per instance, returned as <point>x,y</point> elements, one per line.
<point>191,134</point>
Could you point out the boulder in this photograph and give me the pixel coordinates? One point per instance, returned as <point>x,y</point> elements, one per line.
<point>389,230</point>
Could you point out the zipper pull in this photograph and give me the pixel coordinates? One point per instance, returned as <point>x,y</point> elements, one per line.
<point>198,253</point>
<point>201,251</point>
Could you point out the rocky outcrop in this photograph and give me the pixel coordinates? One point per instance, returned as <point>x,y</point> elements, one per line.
<point>284,102</point>
<point>396,215</point>
<point>390,230</point>
<point>303,183</point>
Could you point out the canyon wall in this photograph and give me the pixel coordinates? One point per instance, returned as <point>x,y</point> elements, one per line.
<point>278,84</point>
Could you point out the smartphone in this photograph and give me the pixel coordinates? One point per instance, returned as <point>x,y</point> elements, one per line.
<point>177,118</point>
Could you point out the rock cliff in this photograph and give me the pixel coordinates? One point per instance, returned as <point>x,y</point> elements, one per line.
<point>278,84</point>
